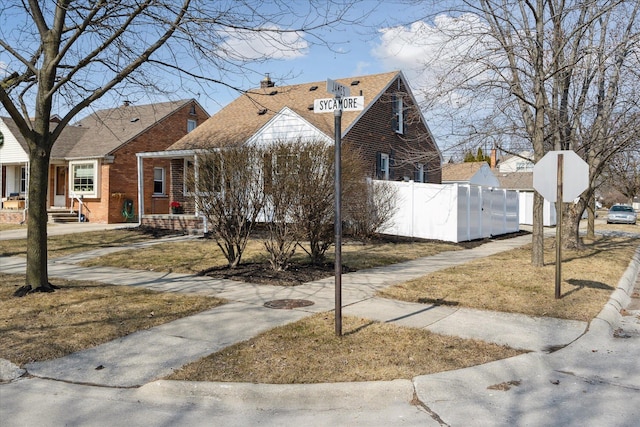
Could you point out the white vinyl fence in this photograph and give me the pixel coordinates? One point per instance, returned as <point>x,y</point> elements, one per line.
<point>526,210</point>
<point>452,212</point>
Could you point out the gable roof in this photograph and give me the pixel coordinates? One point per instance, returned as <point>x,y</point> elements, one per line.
<point>247,114</point>
<point>107,130</point>
<point>460,172</point>
<point>102,132</point>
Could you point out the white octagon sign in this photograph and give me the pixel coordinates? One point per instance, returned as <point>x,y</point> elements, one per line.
<point>575,176</point>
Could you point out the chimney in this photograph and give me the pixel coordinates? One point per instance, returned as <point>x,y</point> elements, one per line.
<point>493,158</point>
<point>266,82</point>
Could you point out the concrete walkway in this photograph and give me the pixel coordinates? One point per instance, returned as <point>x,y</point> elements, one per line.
<point>140,359</point>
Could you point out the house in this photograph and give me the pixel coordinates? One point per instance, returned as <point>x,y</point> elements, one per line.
<point>93,163</point>
<point>390,132</point>
<point>523,162</point>
<point>476,173</point>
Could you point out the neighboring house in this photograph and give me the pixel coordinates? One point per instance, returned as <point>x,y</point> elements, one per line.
<point>523,162</point>
<point>94,160</point>
<point>476,173</point>
<point>390,132</point>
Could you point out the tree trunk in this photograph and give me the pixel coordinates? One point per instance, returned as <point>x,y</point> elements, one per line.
<point>571,225</point>
<point>37,273</point>
<point>537,250</point>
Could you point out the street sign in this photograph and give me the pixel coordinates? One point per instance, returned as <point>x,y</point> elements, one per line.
<point>575,177</point>
<point>338,89</point>
<point>328,105</point>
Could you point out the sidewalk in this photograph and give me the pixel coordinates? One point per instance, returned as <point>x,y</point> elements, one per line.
<point>545,381</point>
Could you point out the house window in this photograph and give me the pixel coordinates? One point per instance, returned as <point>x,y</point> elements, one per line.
<point>420,173</point>
<point>382,166</point>
<point>158,181</point>
<point>84,178</point>
<point>192,109</point>
<point>398,121</point>
<point>191,125</point>
<point>23,179</point>
<point>286,164</point>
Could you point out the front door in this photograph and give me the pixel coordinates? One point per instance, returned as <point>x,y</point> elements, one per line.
<point>60,193</point>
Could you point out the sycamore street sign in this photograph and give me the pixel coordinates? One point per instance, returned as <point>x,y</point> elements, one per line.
<point>327,105</point>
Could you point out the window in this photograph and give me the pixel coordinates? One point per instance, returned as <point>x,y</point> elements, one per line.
<point>191,125</point>
<point>420,173</point>
<point>382,171</point>
<point>23,179</point>
<point>158,181</point>
<point>398,121</point>
<point>84,178</point>
<point>286,164</point>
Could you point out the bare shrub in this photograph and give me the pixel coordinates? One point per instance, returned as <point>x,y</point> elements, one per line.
<point>369,208</point>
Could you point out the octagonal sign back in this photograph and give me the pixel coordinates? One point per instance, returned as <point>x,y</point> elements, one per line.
<point>575,176</point>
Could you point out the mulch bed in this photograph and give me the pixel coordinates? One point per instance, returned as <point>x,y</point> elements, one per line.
<point>263,274</point>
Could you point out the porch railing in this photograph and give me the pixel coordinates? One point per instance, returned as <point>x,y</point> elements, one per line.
<point>73,196</point>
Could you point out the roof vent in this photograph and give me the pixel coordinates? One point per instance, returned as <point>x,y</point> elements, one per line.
<point>310,107</point>
<point>273,92</point>
<point>355,83</point>
<point>135,119</point>
<point>262,111</point>
<point>312,88</point>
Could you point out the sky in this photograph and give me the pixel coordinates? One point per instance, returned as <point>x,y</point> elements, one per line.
<point>376,45</point>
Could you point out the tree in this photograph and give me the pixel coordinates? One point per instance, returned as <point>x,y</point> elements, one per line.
<point>623,174</point>
<point>553,74</point>
<point>71,53</point>
<point>229,195</point>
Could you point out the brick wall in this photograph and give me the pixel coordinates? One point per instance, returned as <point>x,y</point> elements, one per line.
<point>188,224</point>
<point>10,216</point>
<point>120,179</point>
<point>373,134</point>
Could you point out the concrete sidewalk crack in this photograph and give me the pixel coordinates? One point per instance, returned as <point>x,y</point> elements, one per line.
<point>417,402</point>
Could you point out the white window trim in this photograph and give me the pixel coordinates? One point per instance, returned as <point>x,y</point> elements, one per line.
<point>163,180</point>
<point>191,125</point>
<point>399,107</point>
<point>96,178</point>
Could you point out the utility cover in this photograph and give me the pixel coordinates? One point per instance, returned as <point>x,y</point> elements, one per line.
<point>575,176</point>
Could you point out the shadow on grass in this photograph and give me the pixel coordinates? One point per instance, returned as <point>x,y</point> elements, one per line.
<point>582,284</point>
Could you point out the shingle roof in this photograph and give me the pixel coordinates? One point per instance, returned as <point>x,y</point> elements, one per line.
<point>244,116</point>
<point>104,131</point>
<point>515,180</point>
<point>460,172</point>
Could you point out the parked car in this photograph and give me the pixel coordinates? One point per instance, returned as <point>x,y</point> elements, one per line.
<point>622,214</point>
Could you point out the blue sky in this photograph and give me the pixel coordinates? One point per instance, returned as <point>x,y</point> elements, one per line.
<point>376,45</point>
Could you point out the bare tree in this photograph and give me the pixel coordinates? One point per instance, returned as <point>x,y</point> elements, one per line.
<point>370,208</point>
<point>227,192</point>
<point>71,53</point>
<point>623,174</point>
<point>549,73</point>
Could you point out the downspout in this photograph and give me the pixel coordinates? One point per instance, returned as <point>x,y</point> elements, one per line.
<point>140,188</point>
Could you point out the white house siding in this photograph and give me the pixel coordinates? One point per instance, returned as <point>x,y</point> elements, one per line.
<point>517,164</point>
<point>287,126</point>
<point>485,177</point>
<point>11,151</point>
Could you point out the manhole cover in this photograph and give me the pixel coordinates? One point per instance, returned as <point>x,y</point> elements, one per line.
<point>288,304</point>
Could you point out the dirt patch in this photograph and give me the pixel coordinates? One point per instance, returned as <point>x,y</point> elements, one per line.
<point>262,273</point>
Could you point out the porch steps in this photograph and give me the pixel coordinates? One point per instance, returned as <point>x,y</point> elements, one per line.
<point>62,216</point>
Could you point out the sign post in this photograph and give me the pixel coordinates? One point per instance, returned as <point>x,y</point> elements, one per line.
<point>550,181</point>
<point>341,102</point>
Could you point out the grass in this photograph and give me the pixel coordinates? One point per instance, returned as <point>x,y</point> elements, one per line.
<point>7,227</point>
<point>43,326</point>
<point>196,255</point>
<point>309,352</point>
<point>507,281</point>
<point>68,244</point>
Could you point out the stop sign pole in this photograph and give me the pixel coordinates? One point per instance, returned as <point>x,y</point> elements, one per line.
<point>559,226</point>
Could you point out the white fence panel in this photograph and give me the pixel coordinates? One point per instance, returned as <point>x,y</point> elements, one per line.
<point>526,210</point>
<point>452,212</point>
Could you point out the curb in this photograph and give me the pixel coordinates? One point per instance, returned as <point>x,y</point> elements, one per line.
<point>321,396</point>
<point>609,317</point>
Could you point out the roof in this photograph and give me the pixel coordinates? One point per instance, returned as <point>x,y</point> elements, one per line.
<point>247,114</point>
<point>102,132</point>
<point>460,172</point>
<point>515,180</point>
<point>107,130</point>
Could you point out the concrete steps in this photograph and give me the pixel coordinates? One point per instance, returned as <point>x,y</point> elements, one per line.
<point>62,216</point>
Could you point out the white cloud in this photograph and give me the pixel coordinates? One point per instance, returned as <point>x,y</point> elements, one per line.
<point>269,43</point>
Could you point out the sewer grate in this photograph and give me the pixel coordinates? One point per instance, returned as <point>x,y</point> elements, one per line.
<point>288,304</point>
